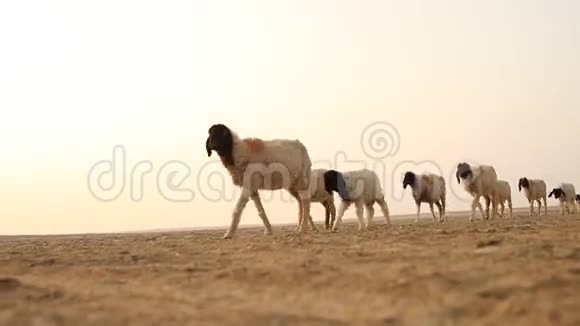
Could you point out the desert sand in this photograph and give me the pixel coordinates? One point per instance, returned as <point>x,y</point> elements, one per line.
<point>521,271</point>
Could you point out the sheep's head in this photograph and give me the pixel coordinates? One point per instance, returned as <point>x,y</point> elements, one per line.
<point>221,140</point>
<point>409,180</point>
<point>334,181</point>
<point>523,183</point>
<point>578,198</point>
<point>557,193</point>
<point>463,171</point>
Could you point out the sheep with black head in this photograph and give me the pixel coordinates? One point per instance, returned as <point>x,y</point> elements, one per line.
<point>535,191</point>
<point>427,188</point>
<point>323,184</point>
<point>255,164</point>
<point>363,188</point>
<point>566,194</point>
<point>479,181</point>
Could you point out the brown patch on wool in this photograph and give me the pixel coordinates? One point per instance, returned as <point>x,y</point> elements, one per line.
<point>255,145</point>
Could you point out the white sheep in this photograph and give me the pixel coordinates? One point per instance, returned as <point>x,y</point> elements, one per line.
<point>256,164</point>
<point>363,188</point>
<point>479,181</point>
<point>503,194</point>
<point>427,188</point>
<point>322,184</point>
<point>566,194</point>
<point>535,191</point>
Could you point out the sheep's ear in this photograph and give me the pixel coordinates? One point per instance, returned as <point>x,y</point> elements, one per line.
<point>520,184</point>
<point>552,193</point>
<point>457,176</point>
<point>208,147</point>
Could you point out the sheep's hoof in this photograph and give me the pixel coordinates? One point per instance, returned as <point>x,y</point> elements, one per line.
<point>267,232</point>
<point>334,230</point>
<point>228,236</point>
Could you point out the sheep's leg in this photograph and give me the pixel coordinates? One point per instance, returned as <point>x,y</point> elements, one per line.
<point>433,211</point>
<point>510,206</point>
<point>545,205</point>
<point>475,204</point>
<point>502,204</point>
<point>301,212</point>
<point>442,211</point>
<point>562,208</point>
<point>326,215</point>
<point>343,207</point>
<point>300,208</point>
<point>306,217</point>
<point>440,208</point>
<point>370,210</point>
<point>262,213</point>
<point>237,214</point>
<point>532,207</point>
<point>385,209</point>
<point>418,204</point>
<point>359,215</point>
<point>487,204</point>
<point>332,214</point>
<point>539,207</point>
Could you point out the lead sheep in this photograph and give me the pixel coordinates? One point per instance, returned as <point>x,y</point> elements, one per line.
<point>427,188</point>
<point>503,194</point>
<point>256,164</point>
<point>323,184</point>
<point>535,191</point>
<point>566,194</point>
<point>478,181</point>
<point>364,190</point>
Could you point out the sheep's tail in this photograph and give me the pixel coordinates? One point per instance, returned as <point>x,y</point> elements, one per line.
<point>334,181</point>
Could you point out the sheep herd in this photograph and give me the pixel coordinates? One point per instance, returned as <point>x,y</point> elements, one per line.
<point>255,164</point>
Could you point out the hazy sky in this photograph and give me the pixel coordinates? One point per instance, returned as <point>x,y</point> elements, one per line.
<point>493,82</point>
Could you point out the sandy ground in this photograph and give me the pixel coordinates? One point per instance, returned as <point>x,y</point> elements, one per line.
<point>523,271</point>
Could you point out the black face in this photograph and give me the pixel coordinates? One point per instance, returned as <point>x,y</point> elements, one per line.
<point>523,183</point>
<point>557,193</point>
<point>334,181</point>
<point>463,171</point>
<point>409,180</point>
<point>221,140</point>
<point>578,198</point>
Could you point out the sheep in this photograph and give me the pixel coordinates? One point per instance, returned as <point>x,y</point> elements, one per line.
<point>322,184</point>
<point>503,193</point>
<point>363,188</point>
<point>256,164</point>
<point>566,193</point>
<point>535,191</point>
<point>427,188</point>
<point>479,181</point>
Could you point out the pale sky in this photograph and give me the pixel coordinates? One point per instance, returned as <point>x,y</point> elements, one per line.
<point>494,82</point>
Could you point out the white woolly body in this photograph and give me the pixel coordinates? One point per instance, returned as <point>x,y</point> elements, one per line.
<point>503,194</point>
<point>282,164</point>
<point>481,184</point>
<point>364,190</point>
<point>430,188</point>
<point>568,203</point>
<point>537,189</point>
<point>270,165</point>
